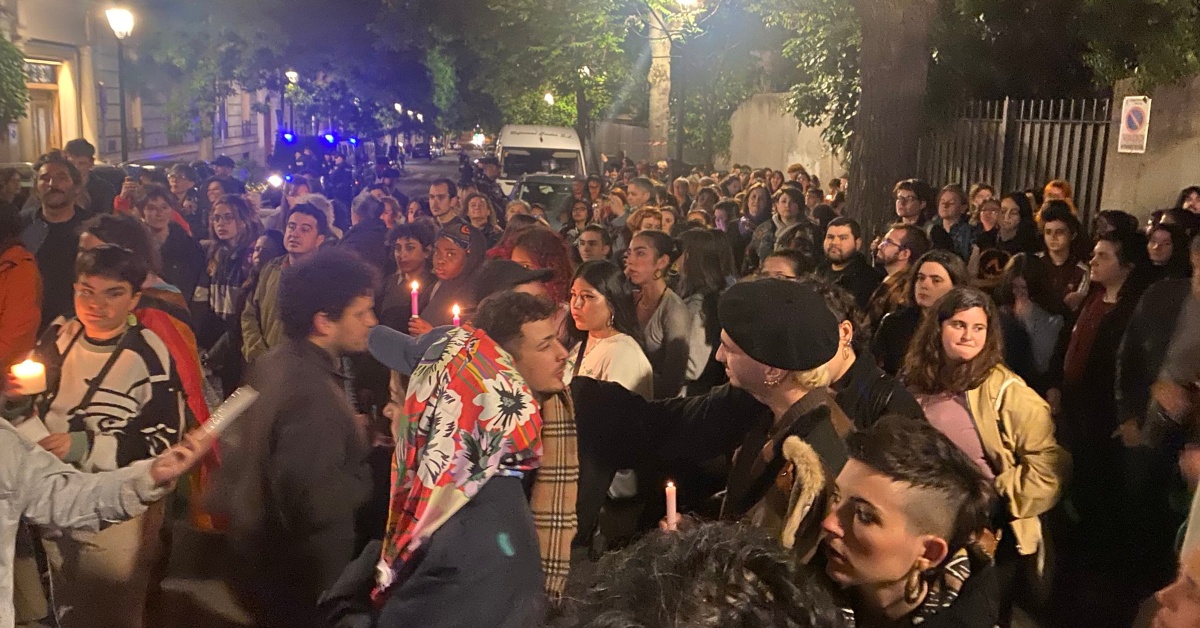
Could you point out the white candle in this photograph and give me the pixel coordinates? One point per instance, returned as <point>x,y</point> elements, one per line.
<point>672,513</point>
<point>415,295</point>
<point>31,377</point>
<point>456,311</point>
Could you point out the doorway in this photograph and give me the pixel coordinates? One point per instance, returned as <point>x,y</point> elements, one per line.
<point>43,114</point>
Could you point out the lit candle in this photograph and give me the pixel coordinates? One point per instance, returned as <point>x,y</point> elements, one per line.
<point>415,292</point>
<point>456,311</point>
<point>672,513</point>
<point>31,377</point>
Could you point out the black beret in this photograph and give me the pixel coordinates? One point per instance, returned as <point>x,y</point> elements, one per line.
<point>780,323</point>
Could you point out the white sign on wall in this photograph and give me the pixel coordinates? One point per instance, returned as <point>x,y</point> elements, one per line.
<point>1135,125</point>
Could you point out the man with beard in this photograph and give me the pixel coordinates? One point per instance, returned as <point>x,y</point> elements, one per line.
<point>51,232</point>
<point>898,249</point>
<point>844,264</point>
<point>307,228</point>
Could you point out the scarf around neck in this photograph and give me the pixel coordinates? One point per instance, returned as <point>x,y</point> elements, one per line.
<point>468,417</point>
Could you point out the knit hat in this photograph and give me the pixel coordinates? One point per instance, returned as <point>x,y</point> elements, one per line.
<point>458,231</point>
<point>780,323</point>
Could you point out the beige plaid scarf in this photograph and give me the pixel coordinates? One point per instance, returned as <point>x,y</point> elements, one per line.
<point>555,489</point>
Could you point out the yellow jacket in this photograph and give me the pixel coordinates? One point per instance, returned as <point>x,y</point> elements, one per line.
<point>1017,432</point>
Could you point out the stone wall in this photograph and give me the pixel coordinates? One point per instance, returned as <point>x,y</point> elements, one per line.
<point>767,135</point>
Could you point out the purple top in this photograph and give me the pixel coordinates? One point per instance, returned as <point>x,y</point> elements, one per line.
<point>950,414</point>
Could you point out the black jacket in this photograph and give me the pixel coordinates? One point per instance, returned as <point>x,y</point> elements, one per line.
<point>891,339</point>
<point>866,393</point>
<point>481,568</point>
<point>369,239</point>
<point>182,260</point>
<point>858,277</point>
<point>294,472</point>
<point>1145,344</point>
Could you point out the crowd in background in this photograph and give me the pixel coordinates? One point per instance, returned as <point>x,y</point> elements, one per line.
<point>1010,367</point>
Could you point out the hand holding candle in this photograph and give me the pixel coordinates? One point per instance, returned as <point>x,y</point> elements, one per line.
<point>672,513</point>
<point>415,293</point>
<point>456,321</point>
<point>30,376</point>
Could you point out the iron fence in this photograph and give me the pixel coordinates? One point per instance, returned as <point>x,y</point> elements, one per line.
<point>1022,144</point>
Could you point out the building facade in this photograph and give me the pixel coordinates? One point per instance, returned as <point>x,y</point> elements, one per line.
<point>71,70</point>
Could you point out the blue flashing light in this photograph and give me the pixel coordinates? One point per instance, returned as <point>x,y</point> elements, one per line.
<point>354,141</point>
<point>288,178</point>
<point>329,137</point>
<point>289,138</point>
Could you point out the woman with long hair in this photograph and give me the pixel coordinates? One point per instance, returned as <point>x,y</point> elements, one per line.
<point>542,248</point>
<point>933,275</point>
<point>1167,247</point>
<point>788,214</point>
<point>700,283</point>
<point>681,191</point>
<point>1015,232</point>
<point>605,329</point>
<point>578,216</point>
<point>219,298</point>
<point>955,369</point>
<point>1024,293</point>
<point>664,317</point>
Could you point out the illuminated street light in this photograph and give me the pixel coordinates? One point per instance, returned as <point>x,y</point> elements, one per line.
<point>399,108</point>
<point>549,98</point>
<point>292,76</point>
<point>409,112</point>
<point>420,118</point>
<point>121,21</point>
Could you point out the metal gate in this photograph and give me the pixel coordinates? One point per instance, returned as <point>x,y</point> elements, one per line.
<point>1023,144</point>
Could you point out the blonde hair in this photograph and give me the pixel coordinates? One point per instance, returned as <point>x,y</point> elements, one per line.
<point>812,379</point>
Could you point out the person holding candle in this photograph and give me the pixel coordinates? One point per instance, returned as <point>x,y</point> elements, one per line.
<point>412,247</point>
<point>457,253</point>
<point>20,293</point>
<point>113,397</point>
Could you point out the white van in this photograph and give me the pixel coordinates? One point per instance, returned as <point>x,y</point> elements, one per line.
<point>530,149</point>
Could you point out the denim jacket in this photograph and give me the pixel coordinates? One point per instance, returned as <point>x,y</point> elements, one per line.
<point>41,489</point>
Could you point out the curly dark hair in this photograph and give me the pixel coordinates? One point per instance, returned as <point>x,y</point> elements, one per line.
<point>325,283</point>
<point>927,370</point>
<point>913,452</point>
<point>712,574</point>
<point>503,315</point>
<point>549,251</point>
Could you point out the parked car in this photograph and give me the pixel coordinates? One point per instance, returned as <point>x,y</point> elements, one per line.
<point>421,151</point>
<point>531,149</point>
<point>548,190</point>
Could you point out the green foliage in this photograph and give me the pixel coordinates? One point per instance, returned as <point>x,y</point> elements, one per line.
<point>1154,42</point>
<point>14,95</point>
<point>824,48</point>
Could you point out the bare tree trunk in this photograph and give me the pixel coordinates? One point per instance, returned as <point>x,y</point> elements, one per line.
<point>894,65</point>
<point>660,84</point>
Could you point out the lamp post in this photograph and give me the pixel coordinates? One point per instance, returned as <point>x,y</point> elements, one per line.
<point>121,22</point>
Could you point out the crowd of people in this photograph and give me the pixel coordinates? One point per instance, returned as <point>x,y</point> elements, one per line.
<point>713,400</point>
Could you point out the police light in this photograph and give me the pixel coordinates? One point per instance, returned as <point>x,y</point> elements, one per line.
<point>289,138</point>
<point>354,141</point>
<point>329,137</point>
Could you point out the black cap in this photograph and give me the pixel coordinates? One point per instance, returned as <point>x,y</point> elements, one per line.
<point>498,275</point>
<point>489,161</point>
<point>780,323</point>
<point>225,161</point>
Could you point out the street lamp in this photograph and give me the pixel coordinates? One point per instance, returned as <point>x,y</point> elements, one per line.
<point>399,108</point>
<point>121,22</point>
<point>420,118</point>
<point>549,98</point>
<point>293,76</point>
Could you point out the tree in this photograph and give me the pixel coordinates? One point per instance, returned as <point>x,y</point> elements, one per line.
<point>14,94</point>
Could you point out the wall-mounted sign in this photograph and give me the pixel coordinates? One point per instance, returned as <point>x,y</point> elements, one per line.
<point>41,73</point>
<point>1135,125</point>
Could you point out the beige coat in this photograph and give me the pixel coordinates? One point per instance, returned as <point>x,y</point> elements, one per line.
<point>1017,432</point>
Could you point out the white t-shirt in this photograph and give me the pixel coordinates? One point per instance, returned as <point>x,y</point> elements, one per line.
<point>620,360</point>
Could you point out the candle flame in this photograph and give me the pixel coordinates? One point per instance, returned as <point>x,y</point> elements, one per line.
<point>670,485</point>
<point>415,286</point>
<point>455,310</point>
<point>28,367</point>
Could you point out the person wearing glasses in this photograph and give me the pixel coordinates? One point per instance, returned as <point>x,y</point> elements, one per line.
<point>897,250</point>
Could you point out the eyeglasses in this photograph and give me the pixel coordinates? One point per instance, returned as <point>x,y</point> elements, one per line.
<point>220,218</point>
<point>890,243</point>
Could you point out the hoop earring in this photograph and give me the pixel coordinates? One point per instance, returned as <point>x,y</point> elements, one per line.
<point>772,384</point>
<point>658,274</point>
<point>912,586</point>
